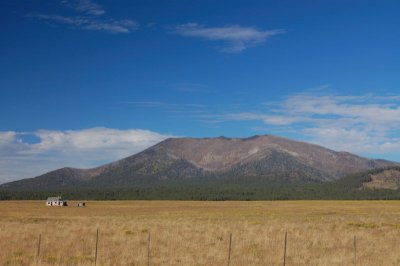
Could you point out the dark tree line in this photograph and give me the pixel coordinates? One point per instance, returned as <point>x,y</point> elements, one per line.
<point>268,188</point>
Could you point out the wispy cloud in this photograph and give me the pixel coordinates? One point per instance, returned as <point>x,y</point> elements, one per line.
<point>84,6</point>
<point>235,38</point>
<point>90,18</point>
<point>77,148</point>
<point>367,124</point>
<point>106,25</point>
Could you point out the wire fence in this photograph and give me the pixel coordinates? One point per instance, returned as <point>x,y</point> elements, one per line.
<point>230,243</point>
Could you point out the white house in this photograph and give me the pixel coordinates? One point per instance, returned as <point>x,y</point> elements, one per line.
<point>55,201</point>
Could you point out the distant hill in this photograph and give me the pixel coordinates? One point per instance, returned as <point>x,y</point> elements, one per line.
<point>258,159</point>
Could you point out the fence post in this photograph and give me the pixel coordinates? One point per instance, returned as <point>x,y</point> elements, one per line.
<point>230,249</point>
<point>97,244</point>
<point>38,247</point>
<point>284,252</point>
<point>148,250</point>
<point>355,250</point>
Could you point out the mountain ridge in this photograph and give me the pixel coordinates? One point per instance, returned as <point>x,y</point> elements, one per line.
<point>263,157</point>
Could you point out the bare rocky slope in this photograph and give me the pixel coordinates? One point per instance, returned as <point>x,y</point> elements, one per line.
<point>268,158</point>
<point>385,179</point>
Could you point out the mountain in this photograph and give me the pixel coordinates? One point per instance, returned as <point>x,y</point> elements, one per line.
<point>260,159</point>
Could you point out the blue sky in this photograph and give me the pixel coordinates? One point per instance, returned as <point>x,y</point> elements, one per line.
<point>86,82</point>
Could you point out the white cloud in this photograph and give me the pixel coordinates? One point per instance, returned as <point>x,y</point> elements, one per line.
<point>95,138</point>
<point>76,148</point>
<point>235,38</point>
<point>7,137</point>
<point>90,19</point>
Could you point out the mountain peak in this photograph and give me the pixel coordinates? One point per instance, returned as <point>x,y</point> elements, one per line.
<point>257,157</point>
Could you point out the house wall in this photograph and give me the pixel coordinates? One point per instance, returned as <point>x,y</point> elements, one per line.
<point>56,203</point>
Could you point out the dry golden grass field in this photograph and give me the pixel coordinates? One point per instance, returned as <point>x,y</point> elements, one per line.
<point>197,233</point>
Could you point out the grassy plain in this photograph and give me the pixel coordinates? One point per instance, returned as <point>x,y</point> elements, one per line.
<point>197,233</point>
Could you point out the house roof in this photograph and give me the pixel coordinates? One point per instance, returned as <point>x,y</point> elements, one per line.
<point>53,198</point>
